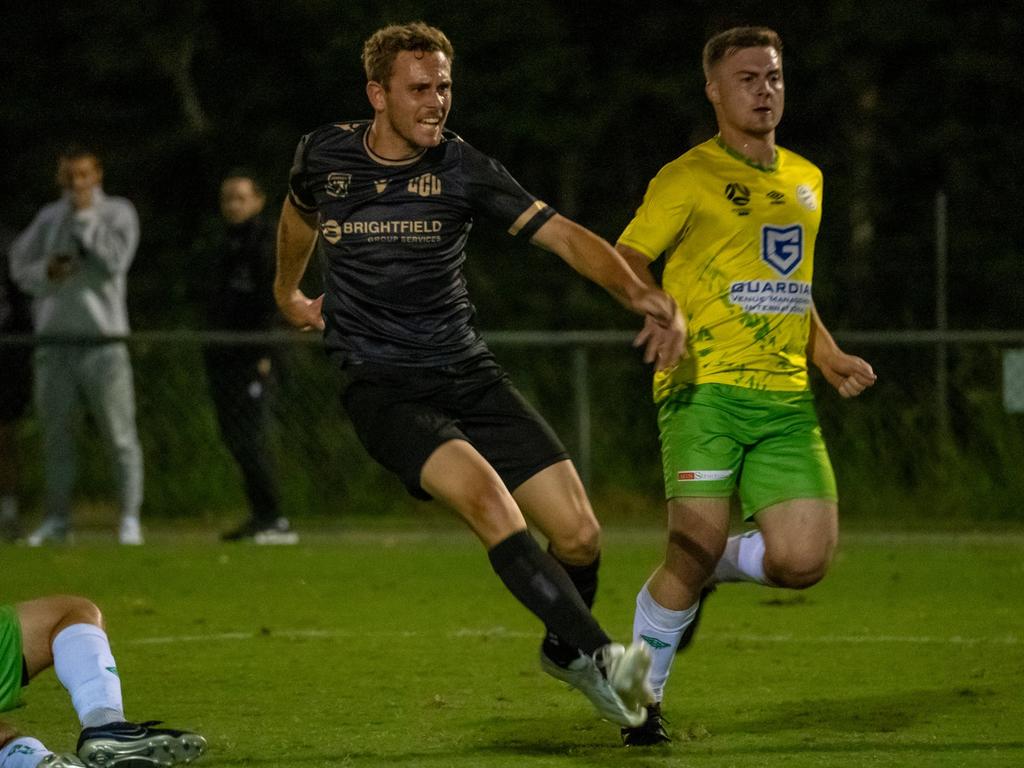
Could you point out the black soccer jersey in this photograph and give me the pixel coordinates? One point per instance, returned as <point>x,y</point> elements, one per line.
<point>394,236</point>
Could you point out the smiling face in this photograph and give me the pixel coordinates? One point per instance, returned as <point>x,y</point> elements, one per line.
<point>411,108</point>
<point>747,91</point>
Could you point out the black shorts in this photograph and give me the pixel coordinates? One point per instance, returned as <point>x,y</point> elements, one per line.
<point>401,415</point>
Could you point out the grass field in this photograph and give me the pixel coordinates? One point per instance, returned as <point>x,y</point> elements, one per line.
<point>377,648</point>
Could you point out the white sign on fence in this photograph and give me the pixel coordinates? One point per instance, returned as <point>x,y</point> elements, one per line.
<point>1013,380</point>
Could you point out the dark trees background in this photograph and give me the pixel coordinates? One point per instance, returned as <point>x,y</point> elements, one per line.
<point>583,103</point>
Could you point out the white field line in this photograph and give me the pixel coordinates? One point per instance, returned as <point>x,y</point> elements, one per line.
<point>501,632</point>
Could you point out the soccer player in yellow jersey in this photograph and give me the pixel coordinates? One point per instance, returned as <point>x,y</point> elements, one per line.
<point>736,218</point>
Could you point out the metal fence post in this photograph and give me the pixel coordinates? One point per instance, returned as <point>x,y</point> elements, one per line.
<point>941,312</point>
<point>581,387</point>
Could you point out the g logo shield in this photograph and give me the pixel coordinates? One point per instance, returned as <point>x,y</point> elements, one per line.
<point>782,248</point>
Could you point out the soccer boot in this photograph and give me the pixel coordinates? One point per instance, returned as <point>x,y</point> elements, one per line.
<point>687,637</point>
<point>50,531</point>
<point>614,679</point>
<point>138,745</point>
<point>278,531</point>
<point>651,731</point>
<point>65,760</point>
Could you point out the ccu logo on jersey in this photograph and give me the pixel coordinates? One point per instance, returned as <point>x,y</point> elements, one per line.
<point>426,185</point>
<point>331,231</point>
<point>782,247</point>
<point>337,184</point>
<point>805,196</point>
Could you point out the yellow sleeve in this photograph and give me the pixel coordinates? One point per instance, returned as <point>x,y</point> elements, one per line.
<point>661,219</point>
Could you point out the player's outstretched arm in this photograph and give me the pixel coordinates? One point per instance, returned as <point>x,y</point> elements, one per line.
<point>296,236</point>
<point>663,336</point>
<point>649,337</point>
<point>849,374</point>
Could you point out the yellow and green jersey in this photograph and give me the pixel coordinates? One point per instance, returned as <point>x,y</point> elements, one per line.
<point>738,240</point>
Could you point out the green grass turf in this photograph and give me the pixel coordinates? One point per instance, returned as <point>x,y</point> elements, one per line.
<point>370,648</point>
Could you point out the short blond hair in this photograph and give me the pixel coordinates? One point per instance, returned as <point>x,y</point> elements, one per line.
<point>381,48</point>
<point>724,43</point>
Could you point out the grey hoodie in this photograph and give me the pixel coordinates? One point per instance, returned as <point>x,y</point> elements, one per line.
<point>101,242</point>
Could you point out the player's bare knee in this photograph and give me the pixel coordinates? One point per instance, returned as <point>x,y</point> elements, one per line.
<point>581,545</point>
<point>79,610</point>
<point>8,733</point>
<point>489,503</point>
<point>796,571</point>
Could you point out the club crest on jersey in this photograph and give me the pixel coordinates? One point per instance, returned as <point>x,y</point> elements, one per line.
<point>337,184</point>
<point>806,197</point>
<point>782,248</point>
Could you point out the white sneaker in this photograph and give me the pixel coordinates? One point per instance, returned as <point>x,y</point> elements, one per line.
<point>130,532</point>
<point>614,679</point>
<point>280,533</point>
<point>50,532</point>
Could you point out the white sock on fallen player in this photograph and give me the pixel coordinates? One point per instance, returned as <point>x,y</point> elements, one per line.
<point>23,752</point>
<point>743,560</point>
<point>660,629</point>
<point>85,666</point>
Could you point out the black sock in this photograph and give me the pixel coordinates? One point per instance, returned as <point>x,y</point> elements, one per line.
<point>584,578</point>
<point>539,583</point>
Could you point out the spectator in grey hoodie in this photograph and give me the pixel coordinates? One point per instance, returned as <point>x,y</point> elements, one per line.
<point>73,261</point>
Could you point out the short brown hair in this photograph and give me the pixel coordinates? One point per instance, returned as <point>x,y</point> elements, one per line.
<point>381,48</point>
<point>724,43</point>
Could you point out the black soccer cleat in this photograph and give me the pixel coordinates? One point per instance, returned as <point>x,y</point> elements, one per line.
<point>687,637</point>
<point>650,732</point>
<point>138,745</point>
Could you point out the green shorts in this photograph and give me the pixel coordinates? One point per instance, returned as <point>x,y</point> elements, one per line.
<point>11,662</point>
<point>716,437</point>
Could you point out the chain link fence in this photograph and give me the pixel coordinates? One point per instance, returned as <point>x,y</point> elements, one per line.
<point>895,452</point>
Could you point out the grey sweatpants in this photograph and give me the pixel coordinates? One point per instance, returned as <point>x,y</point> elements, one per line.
<point>100,378</point>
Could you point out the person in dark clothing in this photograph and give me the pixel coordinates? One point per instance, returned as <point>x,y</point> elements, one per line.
<point>241,375</point>
<point>16,364</point>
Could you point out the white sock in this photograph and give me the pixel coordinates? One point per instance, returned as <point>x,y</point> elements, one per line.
<point>23,752</point>
<point>743,560</point>
<point>660,628</point>
<point>85,666</point>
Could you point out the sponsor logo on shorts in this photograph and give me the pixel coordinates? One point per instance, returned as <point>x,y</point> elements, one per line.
<point>697,475</point>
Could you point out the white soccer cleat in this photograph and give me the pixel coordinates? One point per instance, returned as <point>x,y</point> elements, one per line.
<point>61,761</point>
<point>614,679</point>
<point>629,673</point>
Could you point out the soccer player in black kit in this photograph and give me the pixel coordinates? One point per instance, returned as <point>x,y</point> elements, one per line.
<point>392,201</point>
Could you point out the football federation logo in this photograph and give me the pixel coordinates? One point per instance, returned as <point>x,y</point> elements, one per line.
<point>805,196</point>
<point>737,193</point>
<point>782,247</point>
<point>337,184</point>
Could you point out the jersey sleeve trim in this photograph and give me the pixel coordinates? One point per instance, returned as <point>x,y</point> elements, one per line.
<point>637,246</point>
<point>526,217</point>
<point>300,205</point>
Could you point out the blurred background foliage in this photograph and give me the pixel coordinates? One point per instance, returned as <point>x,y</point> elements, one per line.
<point>583,103</point>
